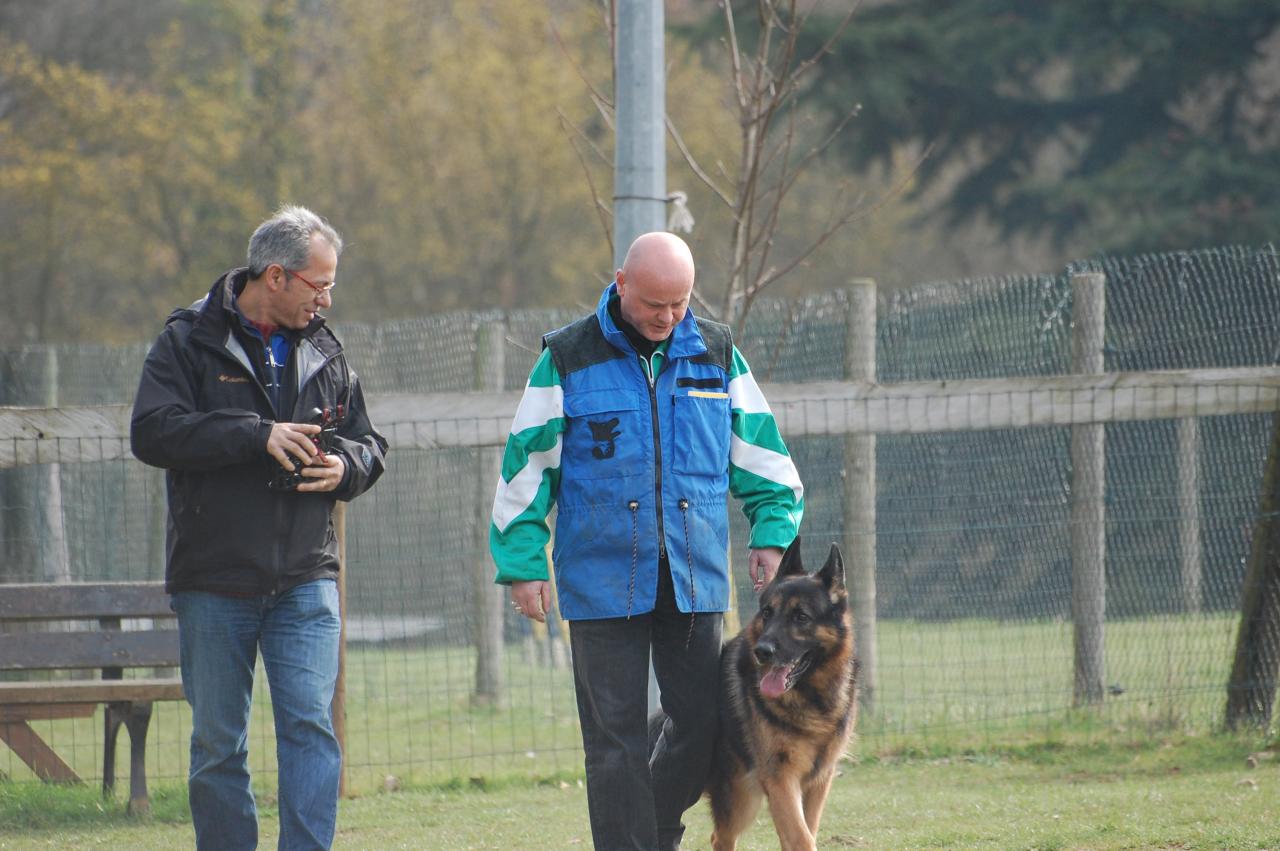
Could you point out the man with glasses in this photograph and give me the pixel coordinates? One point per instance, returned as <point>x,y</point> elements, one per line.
<point>248,403</point>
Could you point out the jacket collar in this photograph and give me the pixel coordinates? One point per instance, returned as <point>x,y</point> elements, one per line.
<point>216,316</point>
<point>685,341</point>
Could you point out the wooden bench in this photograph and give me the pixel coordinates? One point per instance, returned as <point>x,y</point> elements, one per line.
<point>83,632</point>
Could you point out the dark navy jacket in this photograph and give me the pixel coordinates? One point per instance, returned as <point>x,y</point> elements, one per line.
<point>202,412</point>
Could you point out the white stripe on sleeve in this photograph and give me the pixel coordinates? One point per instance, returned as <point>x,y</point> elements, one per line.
<point>745,395</point>
<point>538,406</point>
<point>766,464</point>
<point>512,498</point>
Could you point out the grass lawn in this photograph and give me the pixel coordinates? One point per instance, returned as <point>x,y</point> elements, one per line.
<point>1179,792</point>
<point>977,684</point>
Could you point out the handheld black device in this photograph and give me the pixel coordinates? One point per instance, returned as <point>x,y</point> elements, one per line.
<point>328,419</point>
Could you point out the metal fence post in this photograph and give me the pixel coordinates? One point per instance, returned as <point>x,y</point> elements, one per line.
<point>489,598</point>
<point>54,557</point>
<point>1189,542</point>
<point>1088,482</point>
<point>339,705</point>
<point>860,490</point>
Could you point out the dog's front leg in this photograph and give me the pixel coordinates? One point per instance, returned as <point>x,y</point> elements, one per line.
<point>788,814</point>
<point>815,798</point>
<point>733,806</point>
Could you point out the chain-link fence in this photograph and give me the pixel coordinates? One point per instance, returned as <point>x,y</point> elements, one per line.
<point>972,532</point>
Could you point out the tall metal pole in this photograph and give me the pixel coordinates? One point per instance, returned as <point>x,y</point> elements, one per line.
<point>639,150</point>
<point>639,158</point>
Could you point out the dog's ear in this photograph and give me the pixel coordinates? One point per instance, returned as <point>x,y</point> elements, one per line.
<point>791,564</point>
<point>832,573</point>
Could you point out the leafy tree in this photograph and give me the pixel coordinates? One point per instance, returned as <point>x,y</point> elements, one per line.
<point>1113,124</point>
<point>439,140</point>
<point>434,133</point>
<point>123,186</point>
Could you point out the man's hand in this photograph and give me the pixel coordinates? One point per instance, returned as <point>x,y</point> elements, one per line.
<point>292,440</point>
<point>323,474</point>
<point>532,599</point>
<point>763,564</point>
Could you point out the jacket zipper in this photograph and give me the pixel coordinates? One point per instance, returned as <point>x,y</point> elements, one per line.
<point>280,498</point>
<point>253,376</point>
<point>657,454</point>
<point>297,407</point>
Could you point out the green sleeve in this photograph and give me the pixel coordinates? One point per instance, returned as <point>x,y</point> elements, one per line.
<point>518,530</point>
<point>762,475</point>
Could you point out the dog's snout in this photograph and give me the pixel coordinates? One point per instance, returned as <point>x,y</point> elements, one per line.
<point>764,651</point>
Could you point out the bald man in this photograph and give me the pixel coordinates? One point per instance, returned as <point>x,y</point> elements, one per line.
<point>639,421</point>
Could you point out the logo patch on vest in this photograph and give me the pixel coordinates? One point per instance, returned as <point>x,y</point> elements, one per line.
<point>604,436</point>
<point>233,379</point>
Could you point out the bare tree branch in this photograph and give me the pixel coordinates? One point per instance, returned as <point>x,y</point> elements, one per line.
<point>606,112</point>
<point>852,213</point>
<point>735,61</point>
<point>704,306</point>
<point>825,48</point>
<point>603,212</point>
<point>787,180</point>
<point>770,225</point>
<point>693,164</point>
<point>596,95</point>
<point>600,154</point>
<point>767,77</point>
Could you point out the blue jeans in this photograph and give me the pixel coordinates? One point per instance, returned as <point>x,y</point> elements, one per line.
<point>636,797</point>
<point>297,632</point>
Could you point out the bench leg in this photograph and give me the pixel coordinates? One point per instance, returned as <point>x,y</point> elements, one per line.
<point>111,721</point>
<point>138,722</point>
<point>137,718</point>
<point>32,750</point>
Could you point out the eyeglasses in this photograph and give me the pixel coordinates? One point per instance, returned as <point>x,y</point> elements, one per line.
<point>320,288</point>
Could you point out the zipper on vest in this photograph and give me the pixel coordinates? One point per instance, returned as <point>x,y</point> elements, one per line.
<point>693,586</point>
<point>657,454</point>
<point>634,506</point>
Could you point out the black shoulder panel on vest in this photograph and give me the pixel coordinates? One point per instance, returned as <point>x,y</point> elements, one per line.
<point>719,340</point>
<point>579,345</point>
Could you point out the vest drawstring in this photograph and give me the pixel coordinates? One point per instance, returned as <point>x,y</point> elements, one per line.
<point>688,555</point>
<point>634,505</point>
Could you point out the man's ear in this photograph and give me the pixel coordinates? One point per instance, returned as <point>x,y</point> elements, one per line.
<point>618,279</point>
<point>275,277</point>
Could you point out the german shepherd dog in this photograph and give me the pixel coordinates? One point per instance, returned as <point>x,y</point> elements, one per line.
<point>788,704</point>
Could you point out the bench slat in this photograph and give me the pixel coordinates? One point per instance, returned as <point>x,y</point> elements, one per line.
<point>45,711</point>
<point>83,600</point>
<point>90,691</point>
<point>109,648</point>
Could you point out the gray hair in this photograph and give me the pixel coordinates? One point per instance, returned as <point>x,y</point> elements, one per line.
<point>285,238</point>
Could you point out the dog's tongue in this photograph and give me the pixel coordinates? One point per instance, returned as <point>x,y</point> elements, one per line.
<point>774,682</point>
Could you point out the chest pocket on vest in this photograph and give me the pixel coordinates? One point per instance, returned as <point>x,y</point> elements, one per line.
<point>606,435</point>
<point>702,426</point>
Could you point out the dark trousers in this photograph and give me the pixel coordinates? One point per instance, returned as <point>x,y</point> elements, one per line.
<point>636,801</point>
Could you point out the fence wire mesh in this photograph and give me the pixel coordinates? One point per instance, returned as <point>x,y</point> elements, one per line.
<point>972,527</point>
